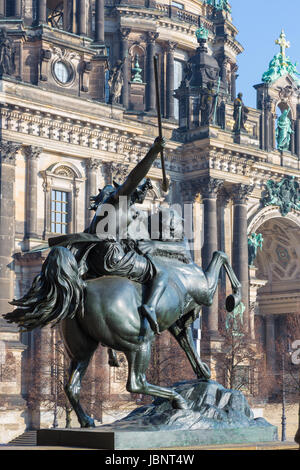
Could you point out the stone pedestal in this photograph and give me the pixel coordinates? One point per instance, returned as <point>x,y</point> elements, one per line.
<point>12,405</point>
<point>137,96</point>
<point>244,138</point>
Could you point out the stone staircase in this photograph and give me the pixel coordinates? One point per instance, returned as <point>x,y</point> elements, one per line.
<point>27,439</point>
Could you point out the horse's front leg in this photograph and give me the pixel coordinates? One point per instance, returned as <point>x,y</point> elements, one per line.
<point>234,299</point>
<point>138,362</point>
<point>182,332</point>
<point>212,273</point>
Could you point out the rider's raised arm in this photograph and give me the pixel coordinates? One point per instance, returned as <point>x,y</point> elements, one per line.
<point>140,171</point>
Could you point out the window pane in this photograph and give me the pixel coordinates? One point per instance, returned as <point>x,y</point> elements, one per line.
<point>59,211</point>
<point>178,75</point>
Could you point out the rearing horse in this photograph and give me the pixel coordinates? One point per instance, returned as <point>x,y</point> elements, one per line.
<point>106,311</point>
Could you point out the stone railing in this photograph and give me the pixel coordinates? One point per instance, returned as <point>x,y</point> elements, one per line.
<point>167,10</point>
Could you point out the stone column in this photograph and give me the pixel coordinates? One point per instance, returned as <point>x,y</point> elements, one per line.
<point>150,87</point>
<point>7,223</point>
<point>240,243</point>
<point>82,18</point>
<point>298,137</point>
<point>68,15</point>
<point>222,203</point>
<point>18,8</point>
<point>293,137</point>
<point>32,155</point>
<point>270,342</point>
<point>92,166</point>
<point>42,12</point>
<point>2,8</point>
<point>99,21</point>
<point>124,33</point>
<point>209,190</point>
<point>267,118</point>
<point>170,80</point>
<point>234,77</point>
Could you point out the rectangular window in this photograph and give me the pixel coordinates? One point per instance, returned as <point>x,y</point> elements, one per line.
<point>178,76</point>
<point>59,211</point>
<point>180,6</point>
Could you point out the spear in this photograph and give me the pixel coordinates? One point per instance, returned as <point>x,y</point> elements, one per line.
<point>165,183</point>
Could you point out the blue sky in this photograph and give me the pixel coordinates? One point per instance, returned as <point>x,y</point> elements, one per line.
<point>259,23</point>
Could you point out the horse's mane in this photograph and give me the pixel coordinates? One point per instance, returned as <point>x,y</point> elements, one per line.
<point>56,293</point>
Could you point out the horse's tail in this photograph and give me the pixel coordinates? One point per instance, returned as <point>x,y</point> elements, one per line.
<point>56,293</point>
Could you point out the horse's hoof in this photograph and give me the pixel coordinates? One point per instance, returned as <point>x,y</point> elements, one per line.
<point>230,303</point>
<point>179,403</point>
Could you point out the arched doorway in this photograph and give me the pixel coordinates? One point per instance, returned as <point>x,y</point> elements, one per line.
<point>279,264</point>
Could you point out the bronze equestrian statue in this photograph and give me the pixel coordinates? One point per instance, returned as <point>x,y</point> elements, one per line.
<point>102,290</point>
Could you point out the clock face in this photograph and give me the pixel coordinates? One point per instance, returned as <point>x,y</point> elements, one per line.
<point>62,72</point>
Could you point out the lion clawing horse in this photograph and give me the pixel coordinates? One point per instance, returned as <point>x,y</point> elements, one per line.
<point>106,311</point>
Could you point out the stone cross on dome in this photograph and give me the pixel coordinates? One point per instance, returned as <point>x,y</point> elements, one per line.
<point>282,43</point>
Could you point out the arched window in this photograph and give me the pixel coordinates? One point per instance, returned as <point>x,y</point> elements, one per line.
<point>61,185</point>
<point>137,61</point>
<point>55,13</point>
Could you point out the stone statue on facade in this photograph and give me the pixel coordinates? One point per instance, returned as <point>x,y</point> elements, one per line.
<point>284,131</point>
<point>115,82</point>
<point>255,241</point>
<point>6,53</point>
<point>219,5</point>
<point>284,194</point>
<point>235,319</point>
<point>208,103</point>
<point>240,114</point>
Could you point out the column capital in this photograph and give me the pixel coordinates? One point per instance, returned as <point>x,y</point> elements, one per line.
<point>151,36</point>
<point>115,171</point>
<point>92,164</point>
<point>124,33</point>
<point>188,191</point>
<point>241,192</point>
<point>223,196</point>
<point>8,151</point>
<point>171,46</point>
<point>32,152</point>
<point>209,187</point>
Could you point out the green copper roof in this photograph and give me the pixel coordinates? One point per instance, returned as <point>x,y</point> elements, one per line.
<point>281,65</point>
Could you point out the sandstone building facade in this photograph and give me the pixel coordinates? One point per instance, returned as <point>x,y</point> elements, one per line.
<point>61,140</point>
